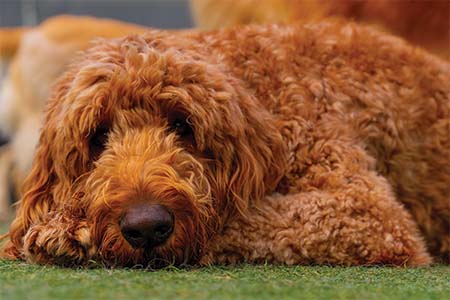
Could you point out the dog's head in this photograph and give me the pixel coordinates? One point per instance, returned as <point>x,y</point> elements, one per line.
<point>155,147</point>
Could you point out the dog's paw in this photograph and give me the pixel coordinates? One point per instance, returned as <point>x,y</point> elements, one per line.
<point>60,242</point>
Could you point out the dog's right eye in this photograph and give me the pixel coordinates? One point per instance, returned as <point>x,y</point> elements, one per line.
<point>98,140</point>
<point>181,127</point>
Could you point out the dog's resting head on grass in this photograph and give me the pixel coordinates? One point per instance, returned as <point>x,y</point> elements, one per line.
<point>142,137</point>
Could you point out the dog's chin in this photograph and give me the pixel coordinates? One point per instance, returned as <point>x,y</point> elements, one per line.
<point>184,247</point>
<point>115,251</point>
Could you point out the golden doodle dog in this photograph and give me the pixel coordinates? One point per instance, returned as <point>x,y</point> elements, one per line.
<point>423,23</point>
<point>322,143</point>
<point>35,58</point>
<point>39,55</point>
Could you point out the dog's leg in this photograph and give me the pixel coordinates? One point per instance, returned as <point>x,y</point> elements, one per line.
<point>342,213</point>
<point>60,239</point>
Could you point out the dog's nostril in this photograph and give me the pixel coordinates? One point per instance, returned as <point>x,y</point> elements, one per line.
<point>134,234</point>
<point>163,230</point>
<point>147,225</point>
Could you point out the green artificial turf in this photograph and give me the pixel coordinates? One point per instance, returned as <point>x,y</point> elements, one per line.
<point>19,280</point>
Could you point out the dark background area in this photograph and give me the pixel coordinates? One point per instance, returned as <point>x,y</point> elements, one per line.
<point>155,13</point>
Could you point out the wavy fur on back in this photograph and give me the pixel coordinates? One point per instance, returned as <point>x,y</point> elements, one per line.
<point>423,23</point>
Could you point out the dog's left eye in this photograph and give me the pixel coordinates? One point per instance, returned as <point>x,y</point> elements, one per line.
<point>98,140</point>
<point>181,127</point>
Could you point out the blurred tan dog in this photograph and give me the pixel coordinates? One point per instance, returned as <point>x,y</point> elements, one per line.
<point>35,57</point>
<point>424,23</point>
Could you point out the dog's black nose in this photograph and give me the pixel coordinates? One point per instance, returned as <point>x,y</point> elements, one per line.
<point>147,225</point>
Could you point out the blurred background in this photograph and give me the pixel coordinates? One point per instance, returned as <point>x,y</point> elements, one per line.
<point>154,13</point>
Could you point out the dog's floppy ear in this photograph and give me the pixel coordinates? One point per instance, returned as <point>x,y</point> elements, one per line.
<point>259,158</point>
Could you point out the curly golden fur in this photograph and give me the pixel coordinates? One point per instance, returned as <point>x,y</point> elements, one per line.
<point>424,23</point>
<point>317,143</point>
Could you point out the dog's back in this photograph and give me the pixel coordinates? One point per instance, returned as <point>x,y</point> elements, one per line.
<point>10,40</point>
<point>353,82</point>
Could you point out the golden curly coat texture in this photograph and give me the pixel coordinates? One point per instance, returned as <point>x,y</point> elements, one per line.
<point>423,23</point>
<point>320,143</point>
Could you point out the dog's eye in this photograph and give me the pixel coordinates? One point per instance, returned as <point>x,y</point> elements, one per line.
<point>181,127</point>
<point>98,140</point>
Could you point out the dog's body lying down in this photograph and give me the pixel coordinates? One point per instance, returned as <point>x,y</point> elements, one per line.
<point>36,57</point>
<point>322,143</point>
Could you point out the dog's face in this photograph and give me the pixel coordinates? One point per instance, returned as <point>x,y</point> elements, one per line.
<point>155,148</point>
